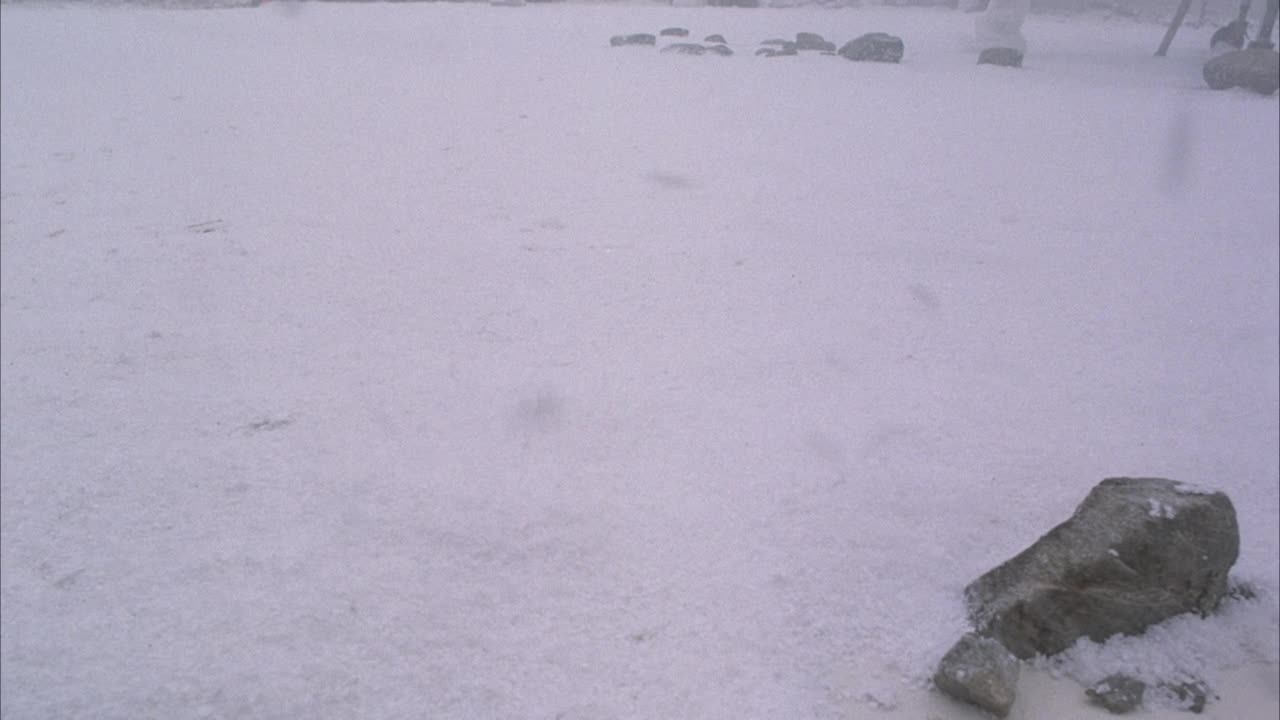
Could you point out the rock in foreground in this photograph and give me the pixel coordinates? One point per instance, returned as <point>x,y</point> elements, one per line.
<point>978,671</point>
<point>1136,552</point>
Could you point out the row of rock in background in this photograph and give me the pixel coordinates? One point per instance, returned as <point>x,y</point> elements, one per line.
<point>871,47</point>
<point>1136,552</point>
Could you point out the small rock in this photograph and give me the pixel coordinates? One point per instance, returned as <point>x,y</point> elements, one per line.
<point>874,47</point>
<point>1118,694</point>
<point>715,39</point>
<point>674,32</point>
<point>1257,69</point>
<point>979,671</point>
<point>685,49</point>
<point>636,39</point>
<point>1002,56</point>
<point>1192,695</point>
<point>813,41</point>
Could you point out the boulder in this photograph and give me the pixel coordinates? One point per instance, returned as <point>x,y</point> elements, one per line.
<point>1136,552</point>
<point>1257,69</point>
<point>874,47</point>
<point>979,671</point>
<point>674,32</point>
<point>636,39</point>
<point>715,39</point>
<point>1002,56</point>
<point>685,49</point>
<point>813,41</point>
<point>1117,694</point>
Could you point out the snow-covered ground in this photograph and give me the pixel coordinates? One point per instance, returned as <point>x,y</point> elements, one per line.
<point>441,361</point>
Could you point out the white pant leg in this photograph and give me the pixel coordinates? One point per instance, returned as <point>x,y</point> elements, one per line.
<point>1001,24</point>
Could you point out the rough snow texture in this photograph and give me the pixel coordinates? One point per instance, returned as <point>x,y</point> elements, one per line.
<point>434,360</point>
<point>1135,553</point>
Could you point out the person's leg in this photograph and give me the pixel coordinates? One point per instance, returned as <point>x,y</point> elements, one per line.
<point>1268,24</point>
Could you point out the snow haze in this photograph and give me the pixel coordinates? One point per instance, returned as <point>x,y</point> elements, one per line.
<point>440,360</point>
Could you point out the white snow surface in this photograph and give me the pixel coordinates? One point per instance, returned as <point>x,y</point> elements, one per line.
<point>435,360</point>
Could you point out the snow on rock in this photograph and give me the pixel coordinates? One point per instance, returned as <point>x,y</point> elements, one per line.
<point>1109,569</point>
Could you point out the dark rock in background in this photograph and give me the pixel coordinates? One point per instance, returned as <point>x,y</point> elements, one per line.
<point>1005,57</point>
<point>636,39</point>
<point>685,49</point>
<point>1257,69</point>
<point>874,47</point>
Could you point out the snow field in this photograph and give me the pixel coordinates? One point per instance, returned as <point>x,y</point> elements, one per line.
<point>440,360</point>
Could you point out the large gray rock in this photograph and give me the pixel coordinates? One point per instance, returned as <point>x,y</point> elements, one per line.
<point>1256,68</point>
<point>979,671</point>
<point>874,47</point>
<point>1136,552</point>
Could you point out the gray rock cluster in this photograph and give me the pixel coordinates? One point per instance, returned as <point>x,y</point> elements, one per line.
<point>1257,69</point>
<point>1136,552</point>
<point>872,47</point>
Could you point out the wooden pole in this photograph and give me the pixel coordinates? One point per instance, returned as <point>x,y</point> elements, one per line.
<point>1174,24</point>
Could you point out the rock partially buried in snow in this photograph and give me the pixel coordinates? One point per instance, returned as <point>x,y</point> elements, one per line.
<point>685,49</point>
<point>874,47</point>
<point>674,32</point>
<point>1256,68</point>
<point>636,39</point>
<point>715,39</point>
<point>1193,695</point>
<point>720,50</point>
<point>1117,694</point>
<point>1002,56</point>
<point>1136,552</point>
<point>813,41</point>
<point>979,671</point>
